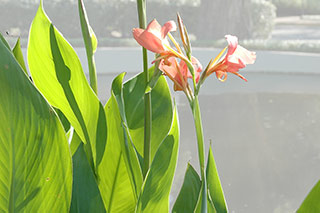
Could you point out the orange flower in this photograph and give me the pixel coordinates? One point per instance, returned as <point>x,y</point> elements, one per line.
<point>236,58</point>
<point>153,38</point>
<point>173,70</point>
<point>179,72</point>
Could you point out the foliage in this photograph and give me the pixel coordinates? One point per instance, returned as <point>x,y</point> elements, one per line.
<point>296,7</point>
<point>262,20</point>
<point>311,202</point>
<point>105,142</point>
<point>63,151</point>
<point>36,170</point>
<point>113,20</point>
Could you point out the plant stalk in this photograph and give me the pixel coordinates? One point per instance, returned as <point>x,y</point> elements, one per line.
<point>199,131</point>
<point>141,4</point>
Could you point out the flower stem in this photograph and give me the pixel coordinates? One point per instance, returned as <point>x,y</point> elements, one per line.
<point>198,125</point>
<point>141,4</point>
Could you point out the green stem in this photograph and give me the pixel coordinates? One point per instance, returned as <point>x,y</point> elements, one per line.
<point>141,4</point>
<point>198,125</point>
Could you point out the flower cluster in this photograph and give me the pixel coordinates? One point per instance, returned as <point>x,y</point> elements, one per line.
<point>179,66</point>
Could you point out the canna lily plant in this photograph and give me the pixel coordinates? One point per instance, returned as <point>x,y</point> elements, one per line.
<point>179,66</point>
<point>62,150</point>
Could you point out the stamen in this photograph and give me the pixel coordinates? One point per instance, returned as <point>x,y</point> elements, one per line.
<point>175,43</point>
<point>214,61</point>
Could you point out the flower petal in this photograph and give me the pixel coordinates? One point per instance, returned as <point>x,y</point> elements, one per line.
<point>148,40</point>
<point>168,27</point>
<point>172,69</point>
<point>232,44</point>
<point>155,28</point>
<point>246,56</point>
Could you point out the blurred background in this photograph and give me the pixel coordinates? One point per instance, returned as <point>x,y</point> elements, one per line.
<point>264,132</point>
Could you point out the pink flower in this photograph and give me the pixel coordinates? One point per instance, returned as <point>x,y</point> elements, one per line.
<point>153,37</point>
<point>179,72</point>
<point>236,58</point>
<point>173,70</point>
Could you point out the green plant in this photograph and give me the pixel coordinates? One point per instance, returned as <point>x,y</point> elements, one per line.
<point>105,141</point>
<point>63,151</point>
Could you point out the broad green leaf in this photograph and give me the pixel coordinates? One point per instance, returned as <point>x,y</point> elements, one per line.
<point>189,192</point>
<point>133,95</point>
<point>311,204</point>
<point>57,73</point>
<point>157,185</point>
<point>19,56</point>
<point>90,42</point>
<point>35,161</point>
<point>215,192</point>
<point>85,192</point>
<point>114,181</point>
<point>129,154</point>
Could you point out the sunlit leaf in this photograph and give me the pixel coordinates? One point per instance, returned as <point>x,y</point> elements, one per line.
<point>129,154</point>
<point>35,161</point>
<point>114,182</point>
<point>215,192</point>
<point>19,56</point>
<point>57,73</point>
<point>157,185</point>
<point>133,95</point>
<point>311,204</point>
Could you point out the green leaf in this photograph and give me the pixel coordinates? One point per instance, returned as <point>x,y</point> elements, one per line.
<point>215,192</point>
<point>161,101</point>
<point>85,192</point>
<point>35,161</point>
<point>4,41</point>
<point>90,42</point>
<point>75,141</point>
<point>19,56</point>
<point>63,119</point>
<point>57,73</point>
<point>157,185</point>
<point>129,153</point>
<point>198,208</point>
<point>311,204</point>
<point>89,36</point>
<point>189,192</point>
<point>115,183</point>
